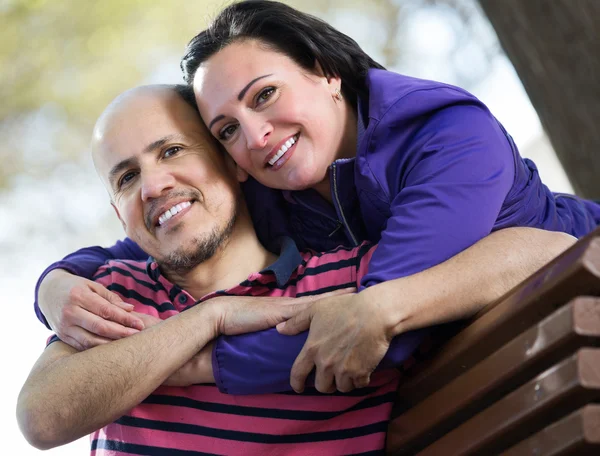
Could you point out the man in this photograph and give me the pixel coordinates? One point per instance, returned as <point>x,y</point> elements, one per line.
<point>177,196</point>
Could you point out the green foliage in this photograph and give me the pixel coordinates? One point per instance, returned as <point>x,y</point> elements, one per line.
<point>63,61</point>
<point>79,54</point>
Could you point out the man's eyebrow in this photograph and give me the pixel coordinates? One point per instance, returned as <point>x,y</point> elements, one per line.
<point>130,162</point>
<point>118,168</point>
<point>160,143</point>
<point>240,96</point>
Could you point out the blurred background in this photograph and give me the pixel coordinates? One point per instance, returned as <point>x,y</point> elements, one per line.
<point>62,62</point>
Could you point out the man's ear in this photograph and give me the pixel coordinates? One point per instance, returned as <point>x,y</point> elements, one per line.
<point>232,166</point>
<point>240,174</point>
<point>119,216</point>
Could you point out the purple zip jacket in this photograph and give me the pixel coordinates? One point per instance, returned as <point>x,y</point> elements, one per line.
<point>434,173</point>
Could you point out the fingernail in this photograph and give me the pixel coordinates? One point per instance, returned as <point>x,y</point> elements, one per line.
<point>132,331</point>
<point>280,326</point>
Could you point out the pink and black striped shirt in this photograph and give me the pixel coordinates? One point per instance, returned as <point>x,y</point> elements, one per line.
<point>200,419</point>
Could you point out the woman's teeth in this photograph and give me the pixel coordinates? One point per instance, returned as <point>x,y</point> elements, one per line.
<point>289,143</point>
<point>171,212</point>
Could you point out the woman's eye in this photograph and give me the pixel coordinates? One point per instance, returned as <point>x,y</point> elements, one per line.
<point>226,132</point>
<point>126,178</point>
<point>265,94</point>
<point>171,151</point>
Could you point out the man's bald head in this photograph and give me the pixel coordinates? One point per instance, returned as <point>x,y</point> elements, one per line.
<point>123,116</point>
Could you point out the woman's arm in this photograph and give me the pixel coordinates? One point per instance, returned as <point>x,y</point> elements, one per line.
<point>444,167</point>
<point>81,312</point>
<point>458,288</point>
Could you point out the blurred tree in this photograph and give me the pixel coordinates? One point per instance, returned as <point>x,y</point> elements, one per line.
<point>555,48</point>
<point>62,62</point>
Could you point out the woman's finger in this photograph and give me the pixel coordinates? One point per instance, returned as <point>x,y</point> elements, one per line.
<point>303,365</point>
<point>325,381</point>
<point>98,305</point>
<point>298,323</point>
<point>81,339</point>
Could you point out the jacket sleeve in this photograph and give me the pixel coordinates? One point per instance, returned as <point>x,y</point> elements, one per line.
<point>261,362</point>
<point>446,183</point>
<point>85,262</point>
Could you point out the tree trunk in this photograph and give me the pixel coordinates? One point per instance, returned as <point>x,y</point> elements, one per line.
<point>555,48</point>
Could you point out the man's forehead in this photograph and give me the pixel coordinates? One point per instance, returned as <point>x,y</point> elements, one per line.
<point>141,117</point>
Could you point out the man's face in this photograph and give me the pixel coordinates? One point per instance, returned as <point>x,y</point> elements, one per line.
<point>172,189</point>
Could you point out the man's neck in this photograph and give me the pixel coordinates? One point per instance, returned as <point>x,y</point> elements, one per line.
<point>241,255</point>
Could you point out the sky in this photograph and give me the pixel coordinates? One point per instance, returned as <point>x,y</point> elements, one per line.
<point>74,211</point>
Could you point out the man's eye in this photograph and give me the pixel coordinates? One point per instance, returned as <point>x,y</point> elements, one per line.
<point>171,151</point>
<point>265,94</point>
<point>126,178</point>
<point>226,132</point>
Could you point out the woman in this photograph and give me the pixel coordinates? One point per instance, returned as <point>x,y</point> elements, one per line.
<point>341,150</point>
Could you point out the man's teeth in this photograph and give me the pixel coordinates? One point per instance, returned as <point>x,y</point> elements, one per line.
<point>171,212</point>
<point>289,143</point>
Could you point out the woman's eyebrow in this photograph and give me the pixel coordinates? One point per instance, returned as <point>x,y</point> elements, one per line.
<point>245,89</point>
<point>240,96</point>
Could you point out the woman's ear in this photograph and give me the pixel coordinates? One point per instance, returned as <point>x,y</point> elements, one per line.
<point>335,82</point>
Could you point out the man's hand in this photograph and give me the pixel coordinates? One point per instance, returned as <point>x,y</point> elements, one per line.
<point>348,337</point>
<point>84,313</point>
<point>244,314</point>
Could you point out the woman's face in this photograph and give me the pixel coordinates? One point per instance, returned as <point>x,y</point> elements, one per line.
<point>280,123</point>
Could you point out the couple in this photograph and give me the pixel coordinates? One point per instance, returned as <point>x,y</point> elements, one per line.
<point>421,167</point>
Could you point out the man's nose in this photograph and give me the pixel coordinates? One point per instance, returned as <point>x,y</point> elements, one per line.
<point>155,182</point>
<point>257,133</point>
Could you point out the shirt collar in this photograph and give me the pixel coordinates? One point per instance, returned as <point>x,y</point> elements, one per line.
<point>283,268</point>
<point>288,261</point>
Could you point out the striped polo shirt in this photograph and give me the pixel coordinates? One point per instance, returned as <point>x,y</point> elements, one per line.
<point>200,420</point>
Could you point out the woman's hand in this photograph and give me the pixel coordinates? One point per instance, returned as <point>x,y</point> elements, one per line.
<point>348,337</point>
<point>196,370</point>
<point>84,313</point>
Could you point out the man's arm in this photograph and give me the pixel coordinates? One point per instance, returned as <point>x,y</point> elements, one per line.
<point>69,394</point>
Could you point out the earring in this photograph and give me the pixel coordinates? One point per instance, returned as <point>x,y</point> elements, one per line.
<point>337,95</point>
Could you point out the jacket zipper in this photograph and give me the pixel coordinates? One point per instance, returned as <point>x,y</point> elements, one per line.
<point>338,206</point>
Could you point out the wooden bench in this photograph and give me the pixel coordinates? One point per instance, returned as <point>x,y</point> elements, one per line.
<point>520,378</point>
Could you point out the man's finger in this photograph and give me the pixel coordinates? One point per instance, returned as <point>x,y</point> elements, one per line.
<point>300,371</point>
<point>297,324</point>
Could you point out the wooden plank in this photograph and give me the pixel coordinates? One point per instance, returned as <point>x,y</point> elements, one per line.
<point>570,327</point>
<point>577,434</point>
<point>575,273</point>
<point>559,391</point>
